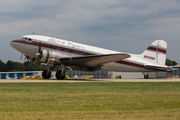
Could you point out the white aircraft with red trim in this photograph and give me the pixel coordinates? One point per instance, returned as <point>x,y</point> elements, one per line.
<point>80,57</point>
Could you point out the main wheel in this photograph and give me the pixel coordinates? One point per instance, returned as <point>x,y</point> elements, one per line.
<point>46,75</point>
<point>59,75</point>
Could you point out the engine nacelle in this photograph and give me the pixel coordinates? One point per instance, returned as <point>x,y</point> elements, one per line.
<point>50,57</point>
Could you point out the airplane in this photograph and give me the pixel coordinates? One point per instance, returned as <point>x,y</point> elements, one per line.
<point>80,57</point>
<point>80,77</point>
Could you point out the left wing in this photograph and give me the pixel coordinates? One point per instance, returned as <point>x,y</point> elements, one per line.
<point>93,61</point>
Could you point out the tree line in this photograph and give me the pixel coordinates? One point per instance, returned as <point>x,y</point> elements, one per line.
<point>11,66</point>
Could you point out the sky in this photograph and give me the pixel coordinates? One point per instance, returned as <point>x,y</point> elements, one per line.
<point>122,25</point>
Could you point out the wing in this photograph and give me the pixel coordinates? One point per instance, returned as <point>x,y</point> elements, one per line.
<point>93,61</point>
<point>161,68</point>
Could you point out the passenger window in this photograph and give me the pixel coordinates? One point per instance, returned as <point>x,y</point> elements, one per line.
<point>81,53</point>
<point>74,51</point>
<point>58,48</point>
<point>49,46</point>
<point>67,50</point>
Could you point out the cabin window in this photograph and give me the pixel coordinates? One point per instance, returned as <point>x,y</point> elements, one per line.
<point>76,52</point>
<point>67,50</point>
<point>49,46</point>
<point>81,53</point>
<point>58,48</point>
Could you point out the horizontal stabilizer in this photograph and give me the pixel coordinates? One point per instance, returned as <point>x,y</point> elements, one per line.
<point>161,68</point>
<point>94,60</point>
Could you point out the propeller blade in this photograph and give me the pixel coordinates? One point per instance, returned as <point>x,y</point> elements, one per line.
<point>25,58</point>
<point>39,46</point>
<point>21,56</point>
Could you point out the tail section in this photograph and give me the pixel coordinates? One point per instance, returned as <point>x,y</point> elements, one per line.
<point>156,52</point>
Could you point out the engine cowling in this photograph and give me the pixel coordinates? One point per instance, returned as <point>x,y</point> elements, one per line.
<point>48,56</point>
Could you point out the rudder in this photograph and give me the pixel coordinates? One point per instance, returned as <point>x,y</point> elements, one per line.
<point>156,52</point>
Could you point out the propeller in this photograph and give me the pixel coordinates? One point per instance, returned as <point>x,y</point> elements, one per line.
<point>39,46</point>
<point>38,55</point>
<point>21,56</point>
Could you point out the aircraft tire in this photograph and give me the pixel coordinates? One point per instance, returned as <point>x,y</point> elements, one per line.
<point>146,76</point>
<point>45,75</point>
<point>59,75</point>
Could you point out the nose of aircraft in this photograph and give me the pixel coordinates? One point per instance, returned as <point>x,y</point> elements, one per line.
<point>13,44</point>
<point>16,44</point>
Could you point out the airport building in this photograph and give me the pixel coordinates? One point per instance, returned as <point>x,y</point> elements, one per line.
<point>98,74</point>
<point>5,75</point>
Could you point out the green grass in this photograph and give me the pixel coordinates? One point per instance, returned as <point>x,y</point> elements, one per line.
<point>44,101</point>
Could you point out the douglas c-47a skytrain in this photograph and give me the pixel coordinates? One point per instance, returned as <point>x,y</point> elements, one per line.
<point>80,57</point>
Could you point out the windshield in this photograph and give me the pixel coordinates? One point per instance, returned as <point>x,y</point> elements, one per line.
<point>26,39</point>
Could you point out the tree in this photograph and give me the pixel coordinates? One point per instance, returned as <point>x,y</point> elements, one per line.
<point>9,65</point>
<point>170,63</point>
<point>174,63</point>
<point>2,66</point>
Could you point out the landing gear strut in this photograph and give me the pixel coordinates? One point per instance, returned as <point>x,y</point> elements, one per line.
<point>146,76</point>
<point>46,74</point>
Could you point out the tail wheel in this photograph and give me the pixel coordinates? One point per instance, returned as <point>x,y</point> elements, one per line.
<point>46,74</point>
<point>60,75</point>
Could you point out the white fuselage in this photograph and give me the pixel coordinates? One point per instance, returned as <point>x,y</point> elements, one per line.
<point>70,49</point>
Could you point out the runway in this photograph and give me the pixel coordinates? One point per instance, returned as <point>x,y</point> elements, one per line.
<point>86,80</point>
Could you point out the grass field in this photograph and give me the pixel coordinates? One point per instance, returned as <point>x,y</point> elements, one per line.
<point>45,101</point>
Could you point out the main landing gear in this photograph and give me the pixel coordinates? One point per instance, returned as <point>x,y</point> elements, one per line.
<point>146,76</point>
<point>46,74</point>
<point>60,74</point>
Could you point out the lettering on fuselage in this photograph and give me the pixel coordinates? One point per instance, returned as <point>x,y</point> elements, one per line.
<point>149,57</point>
<point>56,41</point>
<point>67,43</point>
<point>75,46</point>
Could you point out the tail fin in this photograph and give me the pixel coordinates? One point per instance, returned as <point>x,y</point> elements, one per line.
<point>156,52</point>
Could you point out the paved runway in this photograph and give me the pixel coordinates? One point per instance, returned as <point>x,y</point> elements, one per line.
<point>88,80</point>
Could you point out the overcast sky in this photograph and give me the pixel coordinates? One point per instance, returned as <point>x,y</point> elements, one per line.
<point>121,25</point>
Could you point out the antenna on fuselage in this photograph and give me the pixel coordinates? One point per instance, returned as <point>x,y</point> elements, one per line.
<point>82,42</point>
<point>33,33</point>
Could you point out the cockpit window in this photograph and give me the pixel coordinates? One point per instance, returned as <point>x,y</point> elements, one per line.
<point>23,38</point>
<point>27,39</point>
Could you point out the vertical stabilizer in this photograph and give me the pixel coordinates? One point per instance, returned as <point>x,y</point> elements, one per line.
<point>156,52</point>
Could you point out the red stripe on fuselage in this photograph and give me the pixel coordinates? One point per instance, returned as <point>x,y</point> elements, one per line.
<point>53,47</point>
<point>130,63</point>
